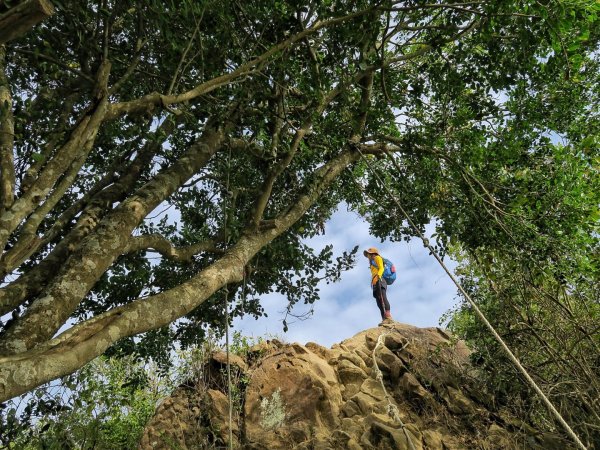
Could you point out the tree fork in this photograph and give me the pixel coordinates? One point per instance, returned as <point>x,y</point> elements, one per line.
<point>98,251</point>
<point>75,347</point>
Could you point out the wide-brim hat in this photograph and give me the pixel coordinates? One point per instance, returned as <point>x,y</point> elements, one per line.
<point>371,250</point>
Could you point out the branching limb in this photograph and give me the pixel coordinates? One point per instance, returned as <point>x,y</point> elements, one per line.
<point>41,187</point>
<point>96,202</point>
<point>267,187</point>
<point>154,100</point>
<point>28,239</point>
<point>130,69</point>
<point>78,207</point>
<point>7,135</point>
<point>99,250</point>
<point>163,246</point>
<point>60,130</point>
<point>278,169</point>
<point>73,348</point>
<point>84,132</point>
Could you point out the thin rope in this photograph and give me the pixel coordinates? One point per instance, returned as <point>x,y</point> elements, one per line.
<point>226,238</point>
<point>479,313</point>
<point>229,396</point>
<point>392,410</point>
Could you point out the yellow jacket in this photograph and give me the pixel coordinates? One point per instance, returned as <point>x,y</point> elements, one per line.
<point>377,267</point>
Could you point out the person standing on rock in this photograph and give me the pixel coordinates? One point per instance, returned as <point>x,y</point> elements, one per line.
<point>378,283</point>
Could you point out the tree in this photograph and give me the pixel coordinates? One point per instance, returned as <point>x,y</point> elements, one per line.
<point>250,122</point>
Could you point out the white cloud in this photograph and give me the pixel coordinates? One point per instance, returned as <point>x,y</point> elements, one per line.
<point>420,295</point>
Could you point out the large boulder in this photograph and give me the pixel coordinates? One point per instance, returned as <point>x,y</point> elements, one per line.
<point>391,387</point>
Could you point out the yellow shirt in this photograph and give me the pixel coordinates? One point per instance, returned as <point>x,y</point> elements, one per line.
<point>376,269</point>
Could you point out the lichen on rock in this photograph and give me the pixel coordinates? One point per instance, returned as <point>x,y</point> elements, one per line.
<point>272,411</point>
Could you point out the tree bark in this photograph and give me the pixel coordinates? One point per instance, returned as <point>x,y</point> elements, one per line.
<point>98,251</point>
<point>85,131</point>
<point>75,347</point>
<point>7,133</point>
<point>19,20</point>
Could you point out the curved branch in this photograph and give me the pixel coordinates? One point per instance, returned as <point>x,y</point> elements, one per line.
<point>98,250</point>
<point>80,344</point>
<point>151,101</point>
<point>163,246</point>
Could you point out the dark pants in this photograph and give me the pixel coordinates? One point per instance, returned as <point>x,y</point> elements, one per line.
<point>379,292</point>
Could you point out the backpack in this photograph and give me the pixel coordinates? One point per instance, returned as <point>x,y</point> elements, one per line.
<point>389,271</point>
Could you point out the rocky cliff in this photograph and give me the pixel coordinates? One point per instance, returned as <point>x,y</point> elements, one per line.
<point>391,387</point>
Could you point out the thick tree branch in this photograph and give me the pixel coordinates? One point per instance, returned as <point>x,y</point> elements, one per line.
<point>21,18</point>
<point>7,135</point>
<point>163,246</point>
<point>83,342</point>
<point>95,203</point>
<point>29,201</point>
<point>29,241</point>
<point>99,250</point>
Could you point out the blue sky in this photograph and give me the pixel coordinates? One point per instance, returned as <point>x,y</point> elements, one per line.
<point>421,294</point>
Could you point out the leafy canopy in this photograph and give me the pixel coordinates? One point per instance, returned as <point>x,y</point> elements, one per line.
<point>159,156</point>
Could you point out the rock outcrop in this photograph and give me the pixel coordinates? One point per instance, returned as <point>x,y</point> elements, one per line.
<point>391,387</point>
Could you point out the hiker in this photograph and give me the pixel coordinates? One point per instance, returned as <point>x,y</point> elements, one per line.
<point>378,283</point>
